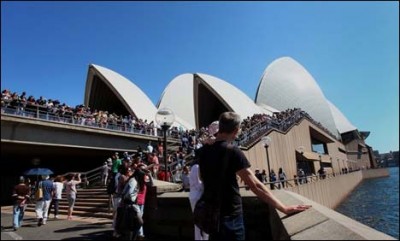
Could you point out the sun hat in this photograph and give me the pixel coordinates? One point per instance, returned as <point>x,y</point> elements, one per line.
<point>213,128</point>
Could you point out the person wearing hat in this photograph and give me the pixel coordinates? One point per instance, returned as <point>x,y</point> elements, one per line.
<point>212,131</point>
<point>20,195</point>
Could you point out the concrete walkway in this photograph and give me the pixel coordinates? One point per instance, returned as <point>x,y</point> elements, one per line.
<point>79,228</point>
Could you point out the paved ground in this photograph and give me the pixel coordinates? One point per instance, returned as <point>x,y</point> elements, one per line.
<point>56,229</point>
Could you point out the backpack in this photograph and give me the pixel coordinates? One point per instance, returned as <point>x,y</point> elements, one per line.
<point>111,187</point>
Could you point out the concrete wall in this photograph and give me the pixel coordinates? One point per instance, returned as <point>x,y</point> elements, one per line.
<point>330,192</point>
<point>282,150</point>
<point>375,173</point>
<point>170,217</point>
<point>23,130</point>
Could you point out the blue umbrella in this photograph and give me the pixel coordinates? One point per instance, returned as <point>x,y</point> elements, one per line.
<point>38,171</point>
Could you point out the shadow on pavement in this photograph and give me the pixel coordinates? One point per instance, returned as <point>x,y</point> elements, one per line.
<point>101,235</point>
<point>79,227</point>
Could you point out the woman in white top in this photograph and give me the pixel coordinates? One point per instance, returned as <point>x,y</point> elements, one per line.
<point>58,186</point>
<point>196,190</point>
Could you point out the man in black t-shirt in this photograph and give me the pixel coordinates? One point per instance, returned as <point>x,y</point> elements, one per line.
<point>220,180</point>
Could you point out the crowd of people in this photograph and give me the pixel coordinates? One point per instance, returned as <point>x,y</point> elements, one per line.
<point>128,178</point>
<point>46,193</point>
<point>251,127</point>
<point>127,182</point>
<point>54,110</point>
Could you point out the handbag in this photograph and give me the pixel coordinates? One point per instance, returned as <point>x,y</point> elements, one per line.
<point>39,193</point>
<point>128,218</point>
<point>206,214</point>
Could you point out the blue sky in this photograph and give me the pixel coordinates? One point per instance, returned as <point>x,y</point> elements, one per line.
<point>350,48</point>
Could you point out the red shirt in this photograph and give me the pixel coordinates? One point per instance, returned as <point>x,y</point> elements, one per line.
<point>161,176</point>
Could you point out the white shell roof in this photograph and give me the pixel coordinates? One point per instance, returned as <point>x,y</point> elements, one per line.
<point>287,84</point>
<point>138,102</point>
<point>342,123</point>
<point>269,110</point>
<point>235,98</point>
<point>179,96</point>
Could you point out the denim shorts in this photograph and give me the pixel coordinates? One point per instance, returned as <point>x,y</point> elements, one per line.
<point>71,200</point>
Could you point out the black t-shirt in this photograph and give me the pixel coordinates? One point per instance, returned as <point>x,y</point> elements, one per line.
<point>211,158</point>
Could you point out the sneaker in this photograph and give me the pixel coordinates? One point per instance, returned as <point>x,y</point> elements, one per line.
<point>44,222</point>
<point>56,217</point>
<point>40,222</point>
<point>15,228</point>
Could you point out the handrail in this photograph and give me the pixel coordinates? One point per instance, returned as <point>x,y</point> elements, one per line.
<point>52,117</point>
<point>268,125</point>
<point>309,179</point>
<point>90,178</point>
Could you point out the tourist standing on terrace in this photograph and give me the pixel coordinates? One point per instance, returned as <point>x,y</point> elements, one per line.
<point>105,170</point>
<point>211,158</point>
<point>282,177</point>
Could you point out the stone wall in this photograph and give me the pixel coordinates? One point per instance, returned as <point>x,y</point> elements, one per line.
<point>170,215</point>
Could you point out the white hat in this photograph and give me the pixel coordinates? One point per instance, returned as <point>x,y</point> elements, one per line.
<point>213,128</point>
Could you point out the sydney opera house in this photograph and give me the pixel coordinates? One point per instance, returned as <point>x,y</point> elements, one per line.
<point>319,136</point>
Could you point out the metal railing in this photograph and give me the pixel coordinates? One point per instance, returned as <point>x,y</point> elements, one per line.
<point>301,180</point>
<point>38,113</point>
<point>89,178</point>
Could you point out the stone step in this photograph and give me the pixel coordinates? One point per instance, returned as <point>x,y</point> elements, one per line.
<point>92,191</point>
<point>92,203</point>
<point>88,199</point>
<point>76,212</point>
<point>88,195</point>
<point>100,189</point>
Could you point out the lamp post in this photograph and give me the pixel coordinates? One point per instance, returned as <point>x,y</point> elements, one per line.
<point>165,118</point>
<point>266,140</point>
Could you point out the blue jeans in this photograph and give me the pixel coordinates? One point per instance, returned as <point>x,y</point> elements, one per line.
<point>231,228</point>
<point>18,215</point>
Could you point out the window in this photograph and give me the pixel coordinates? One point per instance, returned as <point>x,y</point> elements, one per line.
<point>318,146</point>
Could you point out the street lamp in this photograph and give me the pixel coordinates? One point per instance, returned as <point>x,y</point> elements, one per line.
<point>165,118</point>
<point>266,140</point>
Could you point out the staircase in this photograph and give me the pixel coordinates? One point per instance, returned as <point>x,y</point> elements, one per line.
<point>90,202</point>
<point>93,201</point>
